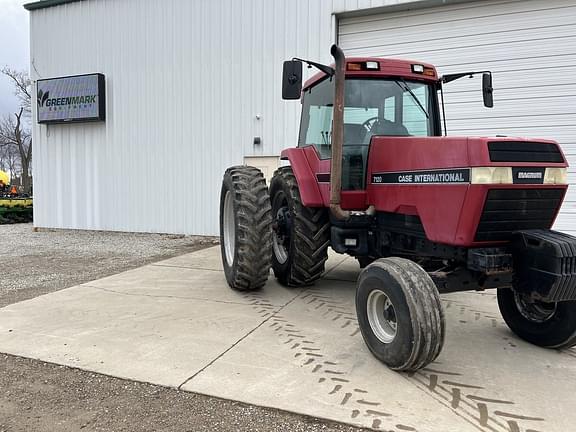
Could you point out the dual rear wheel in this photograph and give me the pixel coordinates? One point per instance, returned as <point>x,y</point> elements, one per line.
<point>260,229</point>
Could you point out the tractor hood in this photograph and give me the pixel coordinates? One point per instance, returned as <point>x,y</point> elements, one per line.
<point>466,191</point>
<point>395,154</point>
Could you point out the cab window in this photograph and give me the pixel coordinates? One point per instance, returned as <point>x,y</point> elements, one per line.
<point>316,124</point>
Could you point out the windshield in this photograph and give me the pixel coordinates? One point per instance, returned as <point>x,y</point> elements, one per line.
<point>390,107</point>
<point>385,107</point>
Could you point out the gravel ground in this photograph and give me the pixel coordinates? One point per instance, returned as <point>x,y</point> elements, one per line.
<point>35,263</point>
<point>37,396</point>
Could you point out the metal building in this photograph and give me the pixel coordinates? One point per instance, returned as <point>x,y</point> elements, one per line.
<point>191,84</point>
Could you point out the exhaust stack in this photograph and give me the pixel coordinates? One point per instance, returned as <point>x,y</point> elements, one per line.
<point>337,134</point>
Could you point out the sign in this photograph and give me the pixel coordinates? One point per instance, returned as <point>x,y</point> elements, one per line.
<point>531,175</point>
<point>77,98</point>
<point>450,176</point>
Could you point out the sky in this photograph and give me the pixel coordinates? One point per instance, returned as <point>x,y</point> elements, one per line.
<point>14,48</point>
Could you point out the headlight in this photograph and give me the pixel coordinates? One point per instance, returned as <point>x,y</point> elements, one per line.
<point>556,176</point>
<point>491,175</point>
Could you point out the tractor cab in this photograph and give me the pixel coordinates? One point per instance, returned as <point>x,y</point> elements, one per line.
<point>381,98</point>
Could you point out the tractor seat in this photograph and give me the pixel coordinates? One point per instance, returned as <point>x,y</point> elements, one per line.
<point>354,133</point>
<point>386,128</point>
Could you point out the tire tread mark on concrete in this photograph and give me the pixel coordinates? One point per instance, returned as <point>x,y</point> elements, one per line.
<point>478,314</point>
<point>450,391</point>
<point>475,412</point>
<point>333,375</point>
<point>517,416</point>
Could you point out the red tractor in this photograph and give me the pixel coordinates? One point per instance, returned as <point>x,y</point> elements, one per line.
<point>373,177</point>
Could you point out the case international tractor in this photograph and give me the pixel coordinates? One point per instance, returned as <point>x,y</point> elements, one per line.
<point>373,177</point>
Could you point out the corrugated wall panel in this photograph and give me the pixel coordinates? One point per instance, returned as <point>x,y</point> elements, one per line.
<point>528,45</point>
<point>185,81</point>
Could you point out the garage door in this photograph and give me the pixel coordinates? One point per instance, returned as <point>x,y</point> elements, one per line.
<point>529,45</point>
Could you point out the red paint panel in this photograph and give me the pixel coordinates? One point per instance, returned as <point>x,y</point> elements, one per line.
<point>410,153</point>
<point>305,177</point>
<point>388,68</point>
<point>350,200</point>
<point>439,206</point>
<point>479,155</point>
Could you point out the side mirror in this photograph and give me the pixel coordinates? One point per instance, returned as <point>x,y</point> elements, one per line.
<point>292,79</point>
<point>487,90</point>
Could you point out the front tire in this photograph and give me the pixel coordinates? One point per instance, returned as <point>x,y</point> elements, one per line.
<point>245,228</point>
<point>399,314</point>
<point>301,235</point>
<point>549,325</point>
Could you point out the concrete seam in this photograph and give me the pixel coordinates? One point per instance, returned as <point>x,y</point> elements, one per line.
<point>238,341</point>
<point>334,268</point>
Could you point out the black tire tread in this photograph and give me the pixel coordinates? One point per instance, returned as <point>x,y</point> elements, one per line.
<point>552,335</point>
<point>253,245</point>
<point>423,301</point>
<point>426,297</point>
<point>312,234</point>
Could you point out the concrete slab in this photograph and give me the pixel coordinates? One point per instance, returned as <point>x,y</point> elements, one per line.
<point>187,283</point>
<point>313,361</point>
<point>176,323</point>
<point>152,339</point>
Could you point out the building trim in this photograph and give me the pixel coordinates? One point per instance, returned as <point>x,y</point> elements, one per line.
<point>43,4</point>
<point>398,7</point>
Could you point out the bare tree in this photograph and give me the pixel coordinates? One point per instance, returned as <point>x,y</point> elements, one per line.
<point>14,132</point>
<point>22,86</point>
<point>9,159</point>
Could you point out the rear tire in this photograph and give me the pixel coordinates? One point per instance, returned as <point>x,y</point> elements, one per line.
<point>301,235</point>
<point>549,325</point>
<point>245,228</point>
<point>399,314</point>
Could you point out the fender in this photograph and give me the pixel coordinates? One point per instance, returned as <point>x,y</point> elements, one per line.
<point>309,191</point>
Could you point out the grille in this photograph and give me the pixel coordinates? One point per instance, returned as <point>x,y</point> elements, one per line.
<point>522,151</point>
<point>509,210</point>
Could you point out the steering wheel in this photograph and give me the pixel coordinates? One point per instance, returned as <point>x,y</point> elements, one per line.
<point>369,124</point>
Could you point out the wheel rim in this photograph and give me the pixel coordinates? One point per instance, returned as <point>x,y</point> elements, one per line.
<point>535,311</point>
<point>229,229</point>
<point>281,228</point>
<point>382,316</point>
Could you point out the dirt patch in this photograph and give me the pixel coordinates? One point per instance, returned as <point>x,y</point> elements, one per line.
<point>46,398</point>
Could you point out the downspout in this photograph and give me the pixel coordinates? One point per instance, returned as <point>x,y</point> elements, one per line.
<point>337,135</point>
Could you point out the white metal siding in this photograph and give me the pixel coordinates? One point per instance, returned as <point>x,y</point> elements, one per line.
<point>185,81</point>
<point>529,45</point>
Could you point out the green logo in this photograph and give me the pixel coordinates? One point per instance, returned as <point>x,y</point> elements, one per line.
<point>42,97</point>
